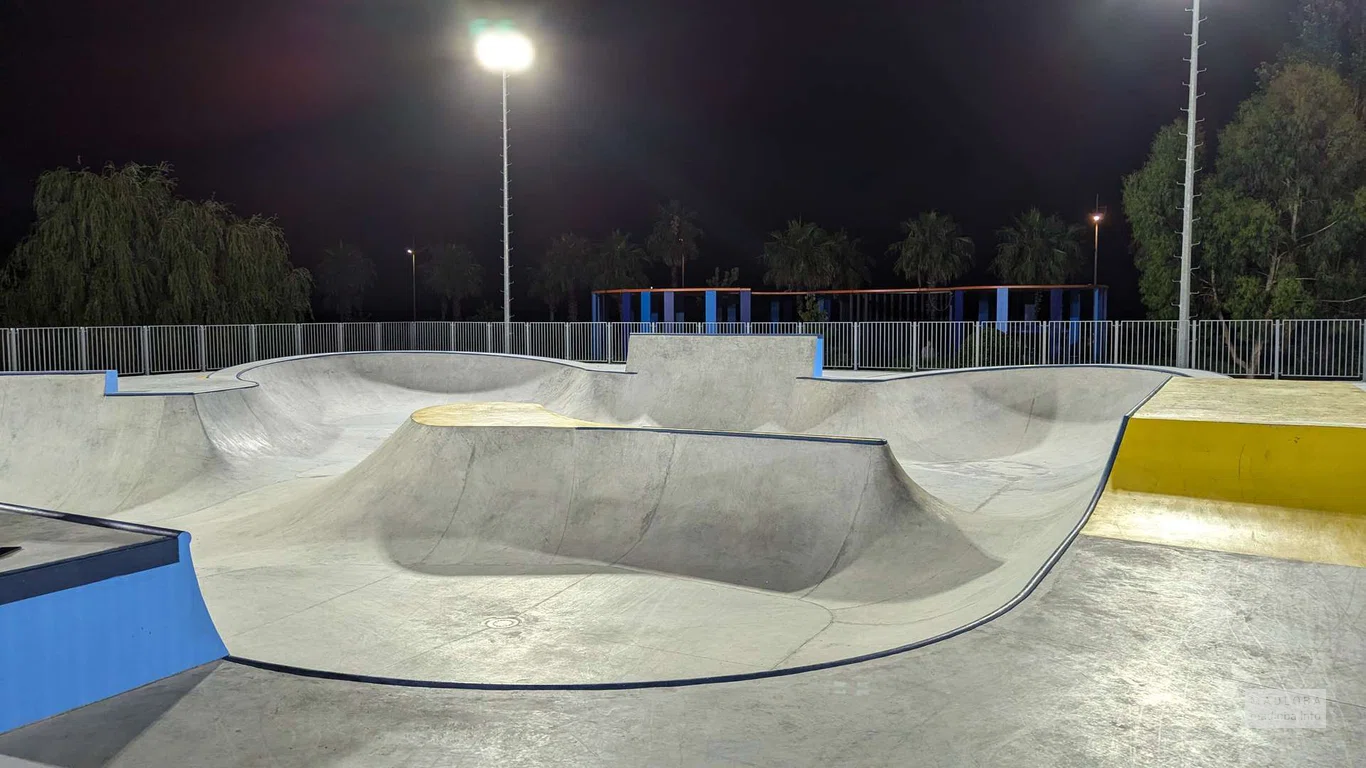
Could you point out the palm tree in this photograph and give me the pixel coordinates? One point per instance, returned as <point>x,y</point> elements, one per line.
<point>618,263</point>
<point>343,276</point>
<point>806,256</point>
<point>563,273</point>
<point>451,272</point>
<point>673,241</point>
<point>1036,250</point>
<point>934,251</point>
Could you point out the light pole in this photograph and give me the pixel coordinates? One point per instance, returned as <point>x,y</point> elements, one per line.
<point>504,50</point>
<point>413,254</point>
<point>1183,328</point>
<point>1096,218</point>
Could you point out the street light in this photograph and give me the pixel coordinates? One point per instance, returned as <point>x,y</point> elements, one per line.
<point>413,254</point>
<point>504,50</point>
<point>1096,219</point>
<point>1183,328</point>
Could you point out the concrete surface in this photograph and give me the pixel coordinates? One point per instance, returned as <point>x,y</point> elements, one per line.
<point>1127,655</point>
<point>45,540</point>
<point>333,532</point>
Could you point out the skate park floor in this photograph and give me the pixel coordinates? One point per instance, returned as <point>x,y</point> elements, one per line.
<point>1126,653</point>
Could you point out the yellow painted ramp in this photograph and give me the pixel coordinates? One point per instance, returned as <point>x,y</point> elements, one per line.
<point>1264,468</point>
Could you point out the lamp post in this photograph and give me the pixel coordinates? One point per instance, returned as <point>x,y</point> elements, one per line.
<point>504,50</point>
<point>1183,328</point>
<point>1096,218</point>
<point>413,254</point>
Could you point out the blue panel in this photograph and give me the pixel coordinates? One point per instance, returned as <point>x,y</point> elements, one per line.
<point>111,382</point>
<point>825,304</point>
<point>1074,327</point>
<point>1002,308</point>
<point>669,307</point>
<point>745,307</point>
<point>775,310</point>
<point>983,310</point>
<point>711,309</point>
<point>819,368</point>
<point>645,315</point>
<point>597,307</point>
<point>67,649</point>
<point>625,307</point>
<point>956,313</point>
<point>1055,304</point>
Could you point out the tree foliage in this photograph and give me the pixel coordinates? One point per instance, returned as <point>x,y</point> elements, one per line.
<point>343,276</point>
<point>452,274</point>
<point>933,252</point>
<point>674,240</point>
<point>119,247</point>
<point>1281,227</point>
<point>1037,250</point>
<point>563,273</point>
<point>617,263</point>
<point>803,255</point>
<point>728,279</point>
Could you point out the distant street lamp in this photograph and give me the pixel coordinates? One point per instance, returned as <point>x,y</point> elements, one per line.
<point>1096,219</point>
<point>413,254</point>
<point>504,50</point>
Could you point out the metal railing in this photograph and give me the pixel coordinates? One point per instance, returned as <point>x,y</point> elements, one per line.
<point>1300,349</point>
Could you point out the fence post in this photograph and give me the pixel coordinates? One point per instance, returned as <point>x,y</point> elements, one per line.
<point>568,354</point>
<point>1043,342</point>
<point>1276,348</point>
<point>341,340</point>
<point>298,338</point>
<point>1114,343</point>
<point>450,336</point>
<point>915,345</point>
<point>83,339</point>
<point>201,338</point>
<point>12,353</point>
<point>146,333</point>
<point>856,334</point>
<point>977,344</point>
<point>610,343</point>
<point>251,343</point>
<point>379,337</point>
<point>1195,343</point>
<point>488,331</point>
<point>1363,350</point>
<point>412,334</point>
<point>526,338</point>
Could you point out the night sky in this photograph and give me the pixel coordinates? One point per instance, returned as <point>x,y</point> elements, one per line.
<point>367,120</point>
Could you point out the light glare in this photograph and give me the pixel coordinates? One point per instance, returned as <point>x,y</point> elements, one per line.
<point>504,50</point>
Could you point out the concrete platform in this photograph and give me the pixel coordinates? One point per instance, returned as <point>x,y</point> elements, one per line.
<point>1260,467</point>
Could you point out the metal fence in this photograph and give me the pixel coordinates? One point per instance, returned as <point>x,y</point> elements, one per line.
<point>1299,349</point>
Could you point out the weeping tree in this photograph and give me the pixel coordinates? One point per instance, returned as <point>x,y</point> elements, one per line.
<point>119,247</point>
<point>563,273</point>
<point>451,273</point>
<point>343,276</point>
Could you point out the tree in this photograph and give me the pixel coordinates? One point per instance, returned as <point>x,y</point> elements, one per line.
<point>1152,204</point>
<point>728,279</point>
<point>343,276</point>
<point>934,251</point>
<point>618,263</point>
<point>1036,250</point>
<point>1330,34</point>
<point>451,273</point>
<point>119,247</point>
<point>563,273</point>
<point>674,240</point>
<point>806,256</point>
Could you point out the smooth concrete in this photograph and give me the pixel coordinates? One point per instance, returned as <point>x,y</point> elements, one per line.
<point>1127,655</point>
<point>334,532</point>
<point>44,540</point>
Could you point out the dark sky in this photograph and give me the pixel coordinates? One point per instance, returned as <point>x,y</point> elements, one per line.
<point>366,120</point>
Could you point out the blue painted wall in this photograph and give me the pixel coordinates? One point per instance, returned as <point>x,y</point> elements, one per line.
<point>66,649</point>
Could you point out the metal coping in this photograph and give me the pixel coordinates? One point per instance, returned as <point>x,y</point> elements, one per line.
<point>1034,582</point>
<point>71,572</point>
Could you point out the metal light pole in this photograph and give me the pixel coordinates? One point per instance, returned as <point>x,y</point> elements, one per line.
<point>1096,218</point>
<point>413,254</point>
<point>504,50</point>
<point>1183,329</point>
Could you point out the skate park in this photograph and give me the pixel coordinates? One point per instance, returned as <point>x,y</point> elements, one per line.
<point>717,552</point>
